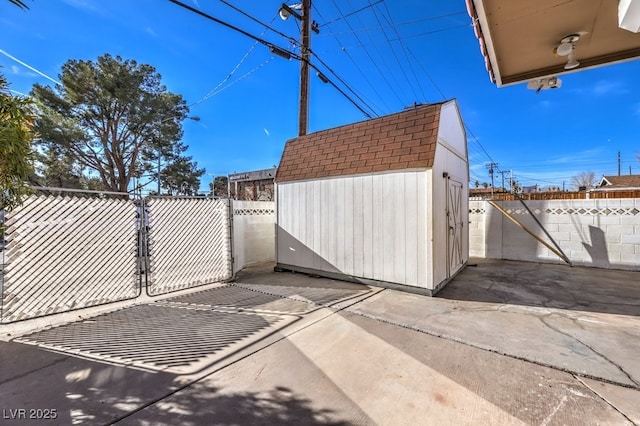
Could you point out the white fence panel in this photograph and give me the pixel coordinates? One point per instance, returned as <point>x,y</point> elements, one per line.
<point>65,253</point>
<point>189,243</point>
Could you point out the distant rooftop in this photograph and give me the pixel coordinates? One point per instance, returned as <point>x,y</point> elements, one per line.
<point>626,181</point>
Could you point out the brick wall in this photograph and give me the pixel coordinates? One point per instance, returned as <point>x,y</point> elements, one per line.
<point>601,233</point>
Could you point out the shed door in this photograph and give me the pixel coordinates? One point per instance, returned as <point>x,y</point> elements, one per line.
<point>454,223</point>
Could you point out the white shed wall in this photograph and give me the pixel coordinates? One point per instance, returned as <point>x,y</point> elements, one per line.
<point>368,226</point>
<point>451,158</point>
<point>451,131</point>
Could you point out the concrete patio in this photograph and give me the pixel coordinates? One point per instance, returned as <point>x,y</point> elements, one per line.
<point>504,343</point>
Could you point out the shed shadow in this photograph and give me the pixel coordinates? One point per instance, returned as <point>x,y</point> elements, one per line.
<point>547,285</point>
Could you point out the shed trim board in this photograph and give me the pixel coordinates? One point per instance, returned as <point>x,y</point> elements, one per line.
<point>382,201</point>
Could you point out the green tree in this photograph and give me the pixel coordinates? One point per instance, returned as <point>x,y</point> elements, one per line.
<point>181,177</point>
<point>112,117</point>
<point>219,186</point>
<point>56,168</point>
<point>16,155</point>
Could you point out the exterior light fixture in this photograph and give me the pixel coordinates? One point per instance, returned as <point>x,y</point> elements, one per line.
<point>567,47</point>
<point>286,11</point>
<point>573,62</point>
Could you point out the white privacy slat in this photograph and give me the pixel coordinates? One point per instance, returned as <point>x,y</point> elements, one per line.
<point>189,243</point>
<point>65,253</point>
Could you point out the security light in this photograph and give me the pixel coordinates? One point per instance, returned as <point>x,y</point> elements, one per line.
<point>286,11</point>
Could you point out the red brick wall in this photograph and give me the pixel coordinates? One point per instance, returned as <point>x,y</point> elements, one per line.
<point>404,140</point>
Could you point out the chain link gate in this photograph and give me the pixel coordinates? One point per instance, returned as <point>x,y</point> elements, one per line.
<point>188,243</point>
<point>65,253</point>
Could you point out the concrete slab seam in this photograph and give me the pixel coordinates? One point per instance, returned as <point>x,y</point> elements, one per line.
<point>58,361</point>
<point>606,401</point>
<point>473,345</point>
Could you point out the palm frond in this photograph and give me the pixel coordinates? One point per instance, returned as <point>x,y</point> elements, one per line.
<point>21,4</point>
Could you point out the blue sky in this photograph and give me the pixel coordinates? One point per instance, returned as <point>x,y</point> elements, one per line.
<point>391,53</point>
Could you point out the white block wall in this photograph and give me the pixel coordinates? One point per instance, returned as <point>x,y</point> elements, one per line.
<point>254,238</point>
<point>601,233</point>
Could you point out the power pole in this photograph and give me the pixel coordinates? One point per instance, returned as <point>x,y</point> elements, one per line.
<point>303,107</point>
<point>491,166</point>
<point>306,26</point>
<point>502,172</point>
<point>618,163</point>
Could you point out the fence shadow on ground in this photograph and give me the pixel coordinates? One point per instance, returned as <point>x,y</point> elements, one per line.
<point>145,336</point>
<point>547,285</point>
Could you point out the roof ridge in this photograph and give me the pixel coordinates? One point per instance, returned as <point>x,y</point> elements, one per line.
<point>411,108</point>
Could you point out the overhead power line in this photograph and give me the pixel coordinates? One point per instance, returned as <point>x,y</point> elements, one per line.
<point>395,56</point>
<point>401,24</point>
<point>219,87</point>
<point>390,21</point>
<point>343,82</point>
<point>273,47</point>
<point>375,64</point>
<point>455,27</point>
<point>339,18</point>
<point>267,26</point>
<point>296,43</point>
<point>355,63</point>
<point>223,23</point>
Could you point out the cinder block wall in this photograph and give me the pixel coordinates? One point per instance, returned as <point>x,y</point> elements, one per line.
<point>601,233</point>
<point>477,234</point>
<point>254,238</point>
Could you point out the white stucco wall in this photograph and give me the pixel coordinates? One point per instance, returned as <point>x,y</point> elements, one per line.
<point>253,233</point>
<point>601,233</point>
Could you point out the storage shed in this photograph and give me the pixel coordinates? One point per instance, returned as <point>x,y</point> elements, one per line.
<point>382,201</point>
